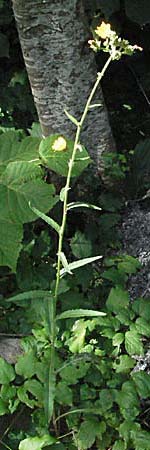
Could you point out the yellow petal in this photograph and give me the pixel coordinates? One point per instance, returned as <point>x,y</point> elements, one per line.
<point>103,30</point>
<point>59,145</point>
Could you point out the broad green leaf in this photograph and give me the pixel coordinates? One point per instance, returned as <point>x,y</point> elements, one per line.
<point>118,339</point>
<point>143,326</point>
<point>142,383</point>
<point>133,344</point>
<point>76,313</point>
<point>119,445</point>
<point>105,399</point>
<point>3,408</point>
<point>26,365</point>
<point>118,299</point>
<point>11,149</point>
<point>129,264</point>
<point>141,439</point>
<point>35,130</point>
<point>89,430</point>
<point>74,205</point>
<point>21,184</point>
<point>125,429</point>
<point>36,443</point>
<point>72,372</point>
<point>141,307</point>
<point>29,295</point>
<point>36,389</point>
<point>46,219</point>
<point>24,397</point>
<point>10,243</point>
<point>76,342</point>
<point>63,393</point>
<point>80,245</point>
<point>71,118</point>
<point>58,160</point>
<point>7,373</point>
<point>123,363</point>
<point>128,401</point>
<point>7,392</point>
<point>80,263</point>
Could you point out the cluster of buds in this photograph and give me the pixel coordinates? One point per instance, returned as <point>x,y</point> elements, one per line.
<point>107,40</point>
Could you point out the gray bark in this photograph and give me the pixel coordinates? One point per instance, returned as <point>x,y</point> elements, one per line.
<point>61,69</point>
<point>10,349</point>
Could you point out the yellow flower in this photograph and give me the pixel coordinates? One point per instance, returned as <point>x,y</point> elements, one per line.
<point>103,30</point>
<point>59,145</point>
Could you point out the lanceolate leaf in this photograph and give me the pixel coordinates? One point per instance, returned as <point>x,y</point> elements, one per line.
<point>50,387</point>
<point>80,263</point>
<point>29,295</point>
<point>46,219</point>
<point>79,313</point>
<point>71,118</point>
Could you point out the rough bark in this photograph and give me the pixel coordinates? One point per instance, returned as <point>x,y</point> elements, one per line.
<point>10,349</point>
<point>62,69</point>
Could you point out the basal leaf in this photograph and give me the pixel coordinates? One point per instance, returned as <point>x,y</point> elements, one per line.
<point>76,313</point>
<point>26,365</point>
<point>119,445</point>
<point>118,299</point>
<point>141,439</point>
<point>7,373</point>
<point>3,408</point>
<point>29,295</point>
<point>37,443</point>
<point>81,246</point>
<point>63,393</point>
<point>133,343</point>
<point>124,363</point>
<point>58,160</point>
<point>142,383</point>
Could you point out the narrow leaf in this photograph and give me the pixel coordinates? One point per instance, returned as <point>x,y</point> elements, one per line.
<point>79,313</point>
<point>50,387</point>
<point>95,105</point>
<point>46,219</point>
<point>65,263</point>
<point>30,295</point>
<point>80,263</point>
<point>82,205</point>
<point>71,118</point>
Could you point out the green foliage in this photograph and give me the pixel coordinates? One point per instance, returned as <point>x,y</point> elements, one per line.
<point>75,376</point>
<point>21,182</point>
<point>58,160</point>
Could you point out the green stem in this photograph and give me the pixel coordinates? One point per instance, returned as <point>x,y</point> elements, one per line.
<point>52,374</point>
<point>71,163</point>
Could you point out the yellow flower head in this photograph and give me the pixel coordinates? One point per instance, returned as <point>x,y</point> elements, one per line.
<point>103,30</point>
<point>59,145</point>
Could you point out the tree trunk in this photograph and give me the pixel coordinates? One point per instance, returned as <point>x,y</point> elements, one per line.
<point>61,69</point>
